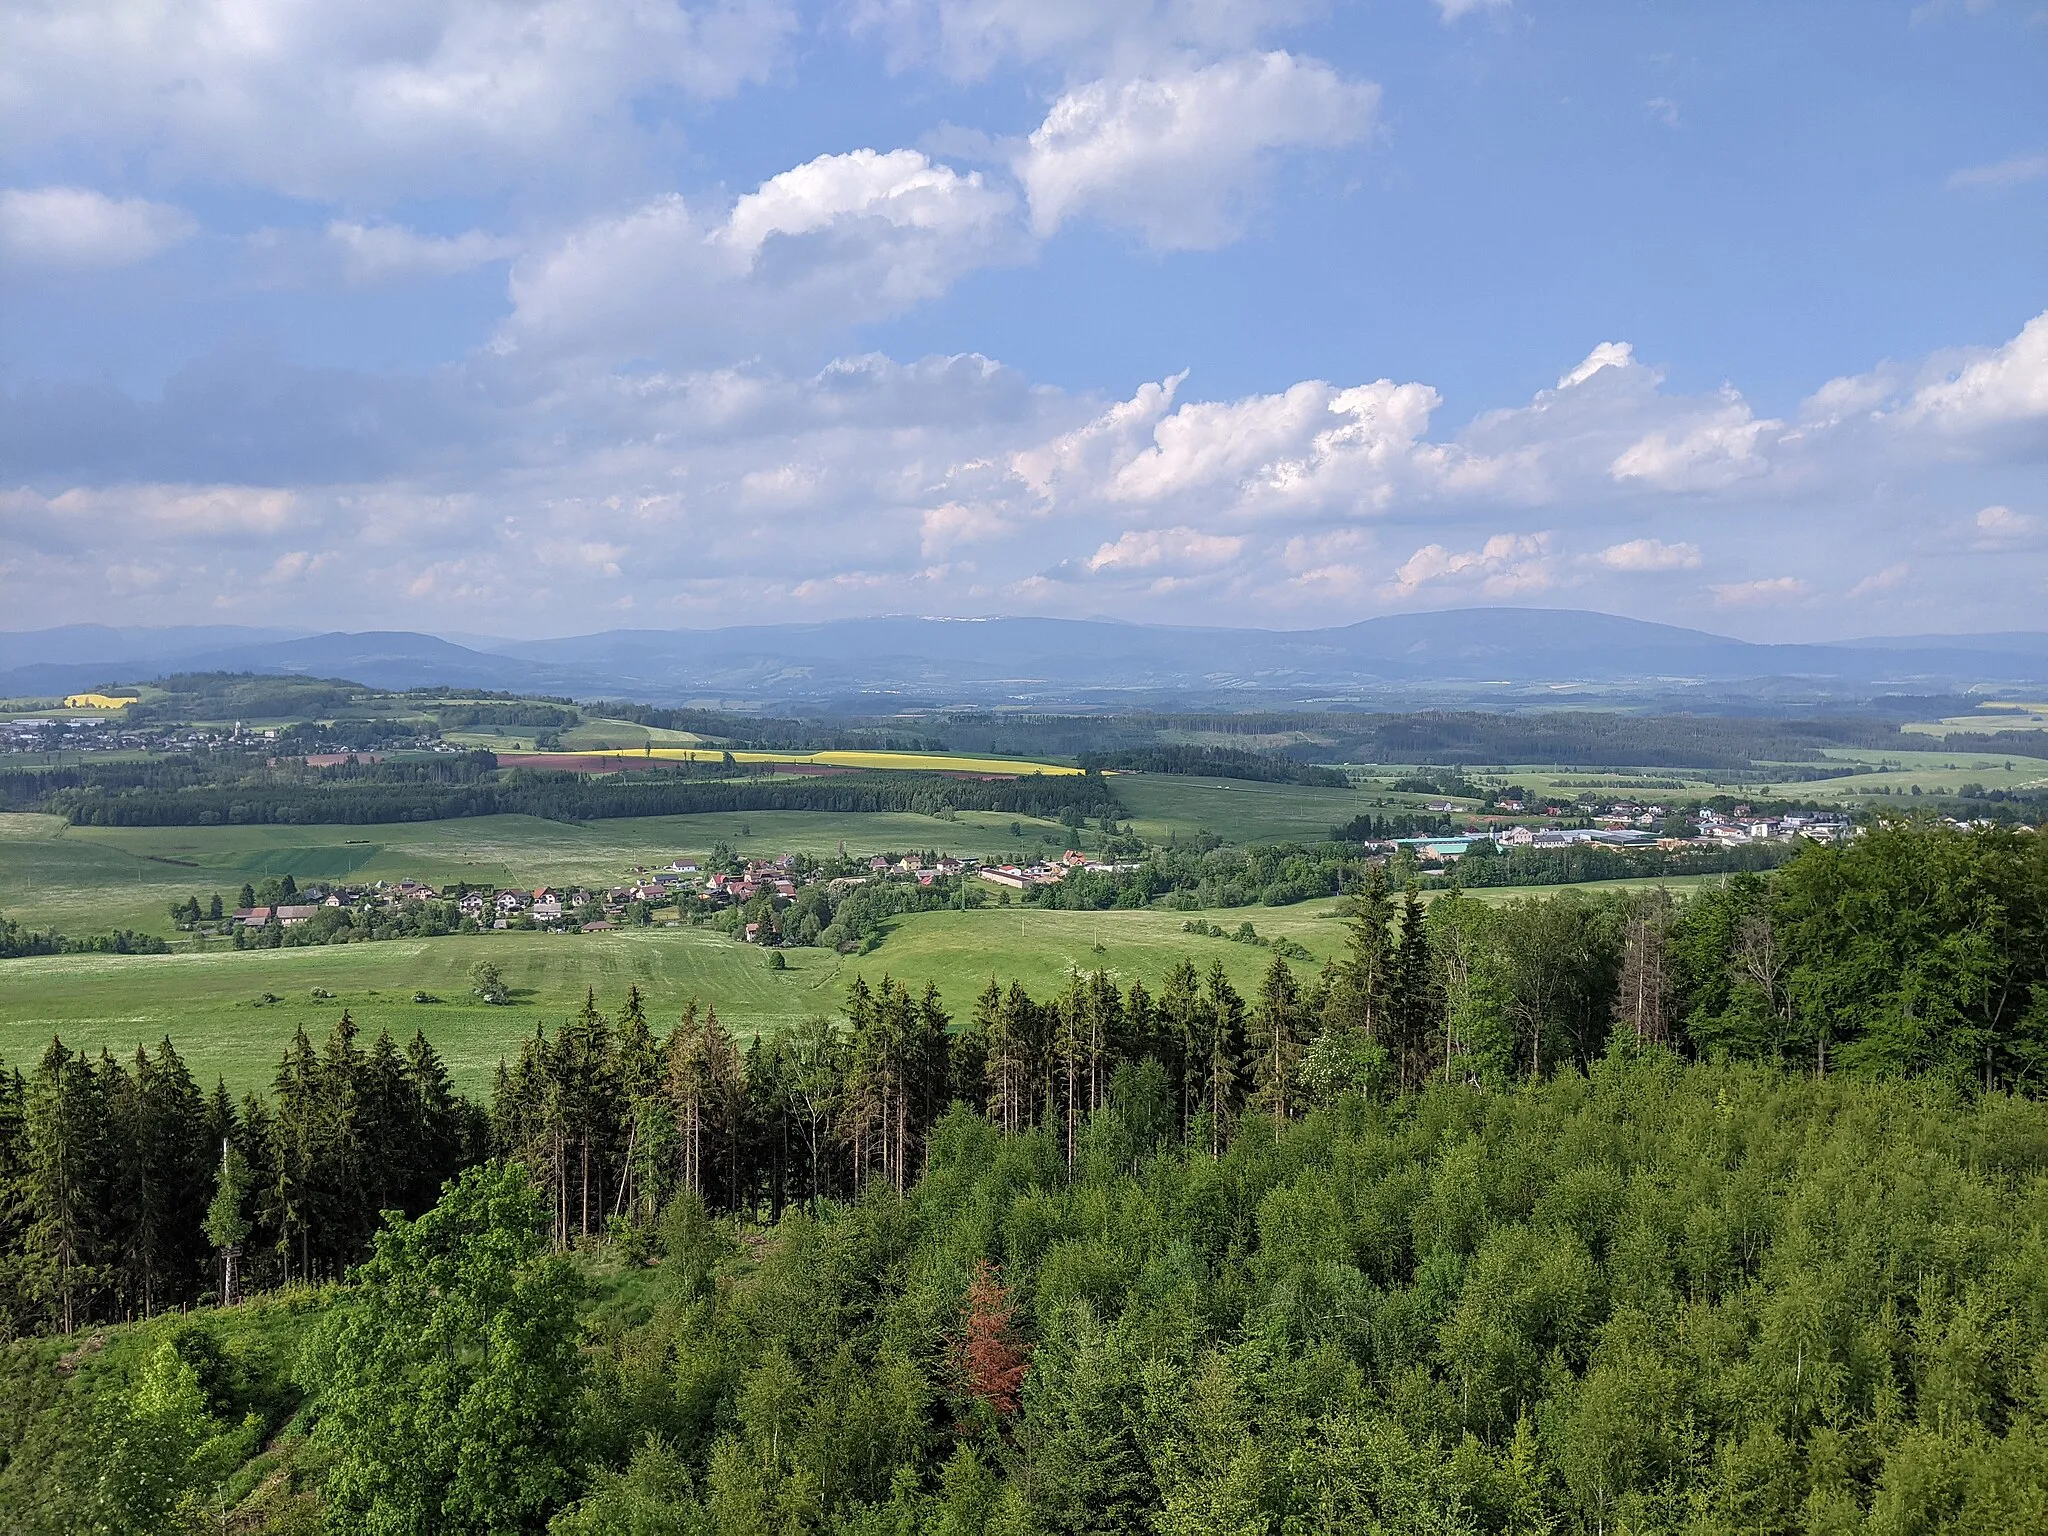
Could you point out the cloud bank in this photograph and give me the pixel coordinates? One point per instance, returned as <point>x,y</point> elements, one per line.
<point>953,484</point>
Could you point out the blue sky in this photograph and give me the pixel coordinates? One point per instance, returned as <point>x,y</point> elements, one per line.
<point>547,316</point>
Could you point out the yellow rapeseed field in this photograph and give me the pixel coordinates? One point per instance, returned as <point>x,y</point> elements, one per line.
<point>929,762</point>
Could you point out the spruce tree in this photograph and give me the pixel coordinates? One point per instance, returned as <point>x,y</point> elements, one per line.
<point>67,1132</point>
<point>1276,1044</point>
<point>1222,1055</point>
<point>1413,1011</point>
<point>289,1201</point>
<point>16,1207</point>
<point>438,1129</point>
<point>343,1195</point>
<point>1181,1037</point>
<point>389,1129</point>
<point>168,1172</point>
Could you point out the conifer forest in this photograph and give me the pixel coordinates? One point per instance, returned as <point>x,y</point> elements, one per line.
<point>1607,1212</point>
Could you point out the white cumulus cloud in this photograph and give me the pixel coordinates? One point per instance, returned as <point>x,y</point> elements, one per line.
<point>1765,592</point>
<point>833,243</point>
<point>1609,354</point>
<point>1179,155</point>
<point>1995,387</point>
<point>75,228</point>
<point>2000,524</point>
<point>1706,451</point>
<point>1312,447</point>
<point>1882,581</point>
<point>1650,555</point>
<point>1173,549</point>
<point>322,100</point>
<point>1506,565</point>
<point>966,39</point>
<point>702,490</point>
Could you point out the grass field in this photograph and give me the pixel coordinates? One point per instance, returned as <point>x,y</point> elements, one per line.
<point>2002,715</point>
<point>1168,805</point>
<point>211,1004</point>
<point>1931,772</point>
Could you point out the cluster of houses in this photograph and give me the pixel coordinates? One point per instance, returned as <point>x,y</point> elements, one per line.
<point>1637,826</point>
<point>87,733</point>
<point>1019,877</point>
<point>683,879</point>
<point>1741,826</point>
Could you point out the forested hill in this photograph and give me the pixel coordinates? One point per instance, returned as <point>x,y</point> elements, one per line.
<point>1215,762</point>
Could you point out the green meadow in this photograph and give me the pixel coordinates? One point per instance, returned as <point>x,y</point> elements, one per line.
<point>232,1012</point>
<point>1166,806</point>
<point>213,1005</point>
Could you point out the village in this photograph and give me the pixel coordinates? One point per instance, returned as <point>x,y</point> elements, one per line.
<point>753,893</point>
<point>684,887</point>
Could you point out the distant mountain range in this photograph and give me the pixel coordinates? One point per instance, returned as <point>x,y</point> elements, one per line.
<point>1466,657</point>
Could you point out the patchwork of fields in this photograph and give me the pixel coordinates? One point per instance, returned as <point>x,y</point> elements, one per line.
<point>89,880</point>
<point>1888,773</point>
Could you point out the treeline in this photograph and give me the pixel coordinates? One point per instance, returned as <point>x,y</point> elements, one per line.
<point>1917,951</point>
<point>767,733</point>
<point>849,917</point>
<point>520,716</point>
<point>360,794</point>
<point>1583,863</point>
<point>1599,739</point>
<point>187,696</point>
<point>23,788</point>
<point>1215,763</point>
<point>182,773</point>
<point>1281,874</point>
<point>1366,827</point>
<point>126,1191</point>
<point>18,942</point>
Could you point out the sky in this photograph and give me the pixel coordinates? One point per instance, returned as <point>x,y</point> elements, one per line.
<point>542,317</point>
